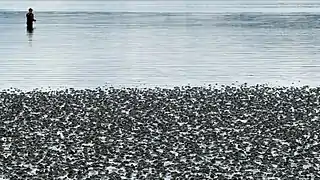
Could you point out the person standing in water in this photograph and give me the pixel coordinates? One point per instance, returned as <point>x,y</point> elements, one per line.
<point>30,19</point>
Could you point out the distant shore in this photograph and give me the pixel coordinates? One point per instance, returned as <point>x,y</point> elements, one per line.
<point>185,132</point>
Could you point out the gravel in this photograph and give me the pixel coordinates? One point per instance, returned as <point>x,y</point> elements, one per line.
<point>227,132</point>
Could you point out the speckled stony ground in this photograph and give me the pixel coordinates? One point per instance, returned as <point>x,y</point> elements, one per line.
<point>182,133</point>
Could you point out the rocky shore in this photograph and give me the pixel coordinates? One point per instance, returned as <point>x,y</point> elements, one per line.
<point>244,132</point>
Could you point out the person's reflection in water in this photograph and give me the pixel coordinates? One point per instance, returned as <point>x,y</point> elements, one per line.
<point>30,34</point>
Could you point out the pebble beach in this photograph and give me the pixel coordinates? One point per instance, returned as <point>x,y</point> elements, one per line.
<point>250,110</point>
<point>226,132</point>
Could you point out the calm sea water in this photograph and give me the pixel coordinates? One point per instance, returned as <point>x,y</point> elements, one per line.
<point>159,43</point>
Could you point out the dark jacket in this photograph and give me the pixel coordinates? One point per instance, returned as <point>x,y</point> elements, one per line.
<point>30,19</point>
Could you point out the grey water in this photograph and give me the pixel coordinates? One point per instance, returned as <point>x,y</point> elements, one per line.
<point>86,44</point>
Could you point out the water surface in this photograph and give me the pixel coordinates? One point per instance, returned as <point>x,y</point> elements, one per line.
<point>159,43</point>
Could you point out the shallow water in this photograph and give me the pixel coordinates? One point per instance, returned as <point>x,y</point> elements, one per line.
<point>159,43</point>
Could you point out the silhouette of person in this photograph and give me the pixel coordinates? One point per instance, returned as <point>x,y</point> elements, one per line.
<point>30,20</point>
